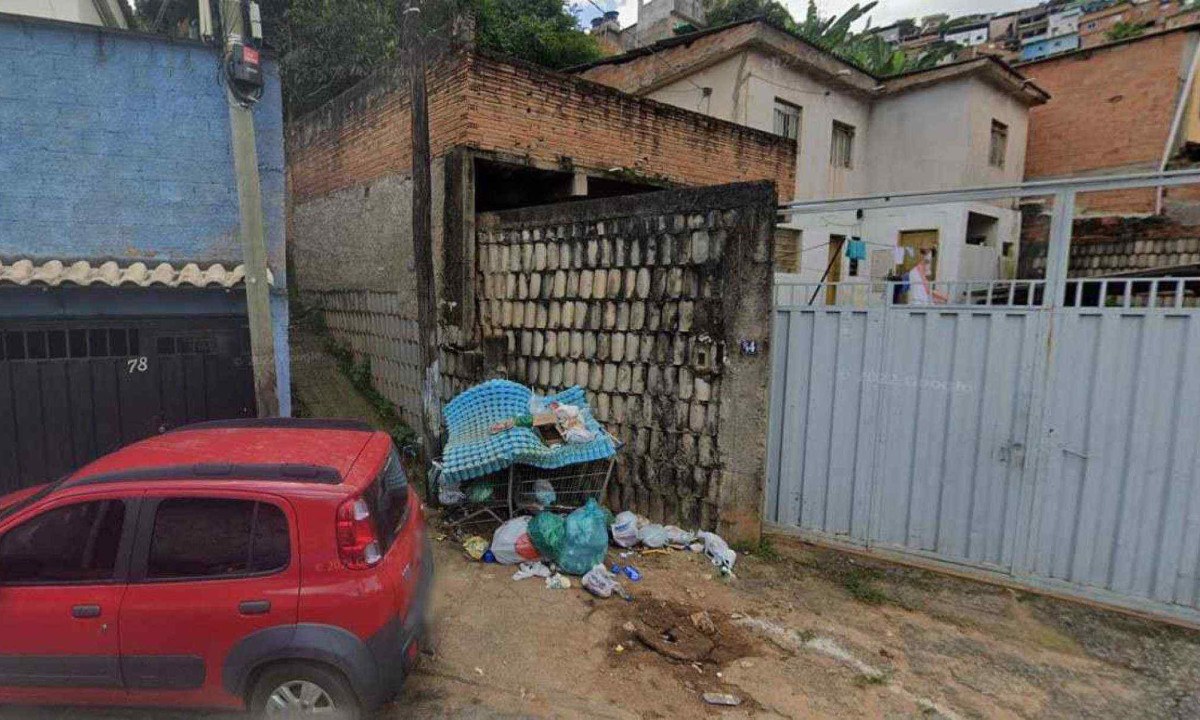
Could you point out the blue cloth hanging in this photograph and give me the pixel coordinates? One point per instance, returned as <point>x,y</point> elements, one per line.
<point>856,249</point>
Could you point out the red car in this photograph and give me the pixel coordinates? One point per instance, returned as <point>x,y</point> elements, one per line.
<point>276,565</point>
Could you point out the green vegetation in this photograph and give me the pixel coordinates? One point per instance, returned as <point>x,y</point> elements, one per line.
<point>871,679</point>
<point>1124,31</point>
<point>407,440</point>
<point>326,46</point>
<point>359,373</point>
<point>864,49</point>
<point>860,582</point>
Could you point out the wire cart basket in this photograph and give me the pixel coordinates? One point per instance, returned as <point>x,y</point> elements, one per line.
<point>527,490</point>
<point>534,489</point>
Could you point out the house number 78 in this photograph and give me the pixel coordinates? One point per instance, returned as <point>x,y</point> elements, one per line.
<point>137,364</point>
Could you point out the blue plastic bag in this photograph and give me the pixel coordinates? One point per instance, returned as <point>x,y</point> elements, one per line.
<point>586,541</point>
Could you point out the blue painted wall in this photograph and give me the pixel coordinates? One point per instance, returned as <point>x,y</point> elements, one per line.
<point>116,145</point>
<point>1050,46</point>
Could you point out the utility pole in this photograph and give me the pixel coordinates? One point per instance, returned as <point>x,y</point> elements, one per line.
<point>254,247</point>
<point>422,235</point>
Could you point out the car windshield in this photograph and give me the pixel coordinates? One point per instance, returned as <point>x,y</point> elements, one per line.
<point>26,502</point>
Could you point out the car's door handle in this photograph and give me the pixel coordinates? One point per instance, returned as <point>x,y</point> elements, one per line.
<point>83,612</point>
<point>254,607</point>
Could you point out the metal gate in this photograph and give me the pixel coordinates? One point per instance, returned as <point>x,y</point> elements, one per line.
<point>1042,433</point>
<point>950,434</point>
<point>71,391</point>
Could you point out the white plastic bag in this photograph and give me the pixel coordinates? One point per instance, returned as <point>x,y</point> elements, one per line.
<point>451,495</point>
<point>511,543</point>
<point>679,536</point>
<point>625,529</point>
<point>717,550</point>
<point>543,492</point>
<point>600,582</point>
<point>653,535</point>
<point>531,569</point>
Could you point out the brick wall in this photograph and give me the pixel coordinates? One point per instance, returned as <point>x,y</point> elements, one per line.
<point>523,109</point>
<point>643,68</point>
<point>644,301</point>
<point>1110,111</point>
<point>350,203</point>
<point>481,102</point>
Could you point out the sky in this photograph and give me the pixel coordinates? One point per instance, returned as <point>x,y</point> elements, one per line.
<point>885,13</point>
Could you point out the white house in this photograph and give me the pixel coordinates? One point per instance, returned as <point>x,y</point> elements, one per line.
<point>954,126</point>
<point>968,35</point>
<point>1064,21</point>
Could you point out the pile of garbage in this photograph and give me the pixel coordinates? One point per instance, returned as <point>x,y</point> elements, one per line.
<point>552,546</point>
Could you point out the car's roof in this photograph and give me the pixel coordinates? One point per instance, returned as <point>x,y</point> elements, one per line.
<point>277,443</point>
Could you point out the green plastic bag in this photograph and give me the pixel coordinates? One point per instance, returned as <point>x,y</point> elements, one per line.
<point>586,541</point>
<point>547,532</point>
<point>480,493</point>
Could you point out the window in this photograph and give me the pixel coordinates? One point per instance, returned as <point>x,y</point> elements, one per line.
<point>999,145</point>
<point>71,544</point>
<point>787,250</point>
<point>388,499</point>
<point>841,152</point>
<point>62,344</point>
<point>787,119</point>
<point>213,538</point>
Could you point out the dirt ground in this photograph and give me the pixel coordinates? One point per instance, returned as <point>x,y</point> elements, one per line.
<point>800,633</point>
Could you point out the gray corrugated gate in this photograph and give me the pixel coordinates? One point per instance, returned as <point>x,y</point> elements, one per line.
<point>1055,448</point>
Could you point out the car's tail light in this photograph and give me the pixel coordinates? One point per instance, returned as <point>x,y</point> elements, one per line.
<point>357,538</point>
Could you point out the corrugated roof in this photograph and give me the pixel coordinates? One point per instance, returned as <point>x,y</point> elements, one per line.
<point>112,274</point>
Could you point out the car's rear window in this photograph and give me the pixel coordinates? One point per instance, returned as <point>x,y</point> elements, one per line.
<point>388,499</point>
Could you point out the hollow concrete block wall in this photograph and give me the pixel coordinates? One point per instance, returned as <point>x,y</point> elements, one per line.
<point>659,305</point>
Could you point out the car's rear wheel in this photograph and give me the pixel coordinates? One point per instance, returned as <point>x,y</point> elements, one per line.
<point>294,690</point>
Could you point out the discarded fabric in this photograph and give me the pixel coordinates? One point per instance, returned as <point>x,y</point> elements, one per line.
<point>718,551</point>
<point>472,450</point>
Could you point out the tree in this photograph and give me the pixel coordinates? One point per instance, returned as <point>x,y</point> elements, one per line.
<point>169,17</point>
<point>723,12</point>
<point>329,45</point>
<point>540,31</point>
<point>1124,31</point>
<point>864,49</point>
<point>326,46</point>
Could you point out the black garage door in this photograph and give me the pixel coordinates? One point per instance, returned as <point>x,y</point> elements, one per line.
<point>71,391</point>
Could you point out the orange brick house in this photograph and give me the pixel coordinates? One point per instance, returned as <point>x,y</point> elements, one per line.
<point>504,134</point>
<point>1111,112</point>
